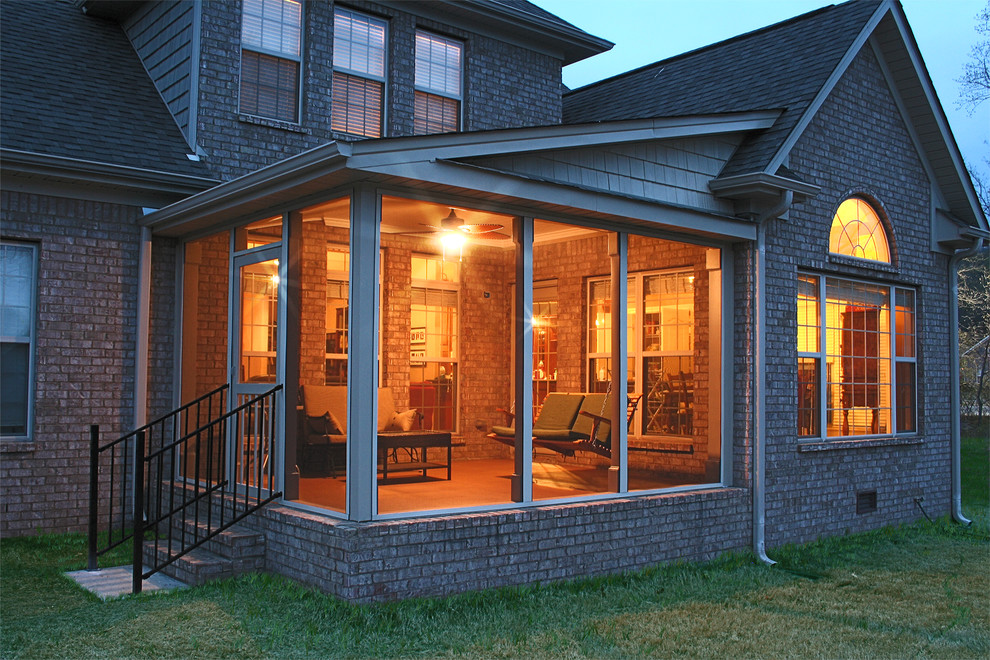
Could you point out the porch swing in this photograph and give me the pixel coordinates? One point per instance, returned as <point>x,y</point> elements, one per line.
<point>569,423</point>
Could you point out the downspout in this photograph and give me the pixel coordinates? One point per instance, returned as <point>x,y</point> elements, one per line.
<point>143,325</point>
<point>759,379</point>
<point>955,405</point>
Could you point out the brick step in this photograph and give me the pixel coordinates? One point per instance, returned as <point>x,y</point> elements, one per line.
<point>237,542</point>
<point>233,551</point>
<point>196,567</point>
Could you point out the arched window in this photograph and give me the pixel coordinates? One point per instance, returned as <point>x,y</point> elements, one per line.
<point>857,232</point>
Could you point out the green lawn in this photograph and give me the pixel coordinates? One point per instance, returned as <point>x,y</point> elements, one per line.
<point>920,590</point>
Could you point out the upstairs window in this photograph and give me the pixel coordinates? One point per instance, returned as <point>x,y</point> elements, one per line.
<point>439,63</point>
<point>358,73</point>
<point>271,33</point>
<point>857,232</point>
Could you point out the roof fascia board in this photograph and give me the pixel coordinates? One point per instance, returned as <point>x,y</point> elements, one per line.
<point>902,109</point>
<point>567,43</point>
<point>816,104</point>
<point>281,176</point>
<point>468,177</point>
<point>371,153</point>
<point>97,173</point>
<point>950,233</point>
<point>940,119</point>
<point>760,182</point>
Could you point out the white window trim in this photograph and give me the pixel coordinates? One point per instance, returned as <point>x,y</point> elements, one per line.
<point>32,342</point>
<point>893,359</point>
<point>428,90</point>
<point>368,76</point>
<point>281,55</point>
<point>637,354</point>
<point>419,283</point>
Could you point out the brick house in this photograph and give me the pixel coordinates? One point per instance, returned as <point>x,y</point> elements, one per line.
<point>755,241</point>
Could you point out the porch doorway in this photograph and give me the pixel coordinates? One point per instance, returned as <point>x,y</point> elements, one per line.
<point>254,366</point>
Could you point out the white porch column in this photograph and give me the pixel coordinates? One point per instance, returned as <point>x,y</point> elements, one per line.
<point>618,475</point>
<point>362,356</point>
<point>143,329</point>
<point>522,478</point>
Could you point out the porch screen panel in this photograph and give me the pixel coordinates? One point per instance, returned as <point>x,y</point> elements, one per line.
<point>205,333</point>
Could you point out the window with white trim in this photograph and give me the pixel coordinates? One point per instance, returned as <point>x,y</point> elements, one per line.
<point>271,47</point>
<point>358,94</point>
<point>18,284</point>
<point>659,345</point>
<point>439,66</point>
<point>857,372</point>
<point>433,341</point>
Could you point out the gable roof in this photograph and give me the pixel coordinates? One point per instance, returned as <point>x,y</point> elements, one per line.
<point>778,67</point>
<point>790,66</point>
<point>73,88</point>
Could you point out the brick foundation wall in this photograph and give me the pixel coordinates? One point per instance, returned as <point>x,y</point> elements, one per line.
<point>857,144</point>
<point>84,356</point>
<point>437,556</point>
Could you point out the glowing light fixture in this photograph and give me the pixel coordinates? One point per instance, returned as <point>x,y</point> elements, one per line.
<point>451,241</point>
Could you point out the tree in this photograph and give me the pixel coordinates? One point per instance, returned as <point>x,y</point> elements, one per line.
<point>974,271</point>
<point>975,81</point>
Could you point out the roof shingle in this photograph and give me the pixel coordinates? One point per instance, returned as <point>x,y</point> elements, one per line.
<point>780,67</point>
<point>74,87</point>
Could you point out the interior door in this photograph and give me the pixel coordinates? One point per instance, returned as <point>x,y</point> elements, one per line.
<point>255,367</point>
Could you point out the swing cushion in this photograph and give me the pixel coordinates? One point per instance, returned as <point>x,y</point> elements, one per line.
<point>555,420</point>
<point>583,426</point>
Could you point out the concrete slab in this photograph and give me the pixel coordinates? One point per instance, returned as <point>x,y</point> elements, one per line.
<point>113,582</point>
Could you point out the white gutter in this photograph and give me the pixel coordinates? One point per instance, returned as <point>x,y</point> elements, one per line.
<point>955,407</point>
<point>759,380</point>
<point>143,326</point>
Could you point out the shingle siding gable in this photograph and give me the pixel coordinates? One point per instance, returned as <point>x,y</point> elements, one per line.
<point>162,35</point>
<point>668,171</point>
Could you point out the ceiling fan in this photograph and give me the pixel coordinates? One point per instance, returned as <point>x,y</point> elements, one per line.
<point>481,230</point>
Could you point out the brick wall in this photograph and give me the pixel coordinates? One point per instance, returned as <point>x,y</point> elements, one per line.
<point>504,86</point>
<point>84,356</point>
<point>389,560</point>
<point>857,144</point>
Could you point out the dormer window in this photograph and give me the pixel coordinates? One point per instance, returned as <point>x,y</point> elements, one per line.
<point>358,73</point>
<point>857,232</point>
<point>439,65</point>
<point>271,34</point>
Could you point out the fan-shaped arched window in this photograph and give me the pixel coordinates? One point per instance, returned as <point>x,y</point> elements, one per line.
<point>857,232</point>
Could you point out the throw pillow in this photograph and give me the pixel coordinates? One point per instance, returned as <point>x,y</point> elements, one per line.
<point>402,421</point>
<point>333,425</point>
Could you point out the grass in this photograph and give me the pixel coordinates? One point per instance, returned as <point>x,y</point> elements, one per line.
<point>915,590</point>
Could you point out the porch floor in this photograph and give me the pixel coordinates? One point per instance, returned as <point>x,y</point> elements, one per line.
<point>479,482</point>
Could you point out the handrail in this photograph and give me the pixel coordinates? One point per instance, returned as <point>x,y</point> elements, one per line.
<point>226,463</point>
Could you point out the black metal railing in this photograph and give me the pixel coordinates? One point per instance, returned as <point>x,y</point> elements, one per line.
<point>202,469</point>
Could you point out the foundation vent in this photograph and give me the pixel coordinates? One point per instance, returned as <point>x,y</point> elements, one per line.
<point>866,501</point>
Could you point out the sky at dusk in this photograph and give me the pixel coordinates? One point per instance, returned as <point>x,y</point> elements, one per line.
<point>645,31</point>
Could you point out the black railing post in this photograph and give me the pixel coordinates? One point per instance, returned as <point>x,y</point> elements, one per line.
<point>136,556</point>
<point>94,481</point>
